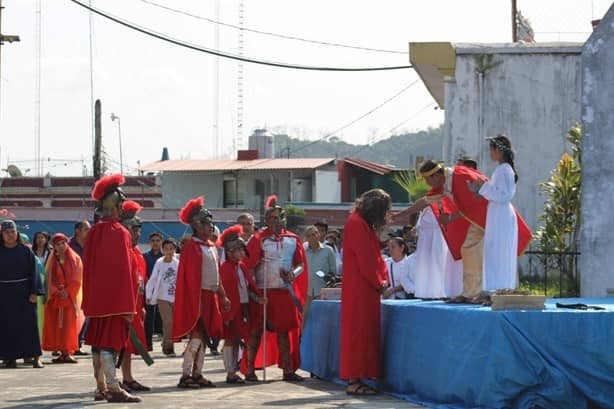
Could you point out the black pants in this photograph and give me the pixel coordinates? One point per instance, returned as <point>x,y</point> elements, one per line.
<point>153,323</point>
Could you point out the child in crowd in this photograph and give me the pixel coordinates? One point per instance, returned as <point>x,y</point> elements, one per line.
<point>400,270</point>
<point>161,291</point>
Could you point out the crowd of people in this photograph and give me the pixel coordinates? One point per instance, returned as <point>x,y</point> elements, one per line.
<point>251,288</point>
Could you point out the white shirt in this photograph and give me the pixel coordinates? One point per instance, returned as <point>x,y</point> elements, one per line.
<point>401,273</point>
<point>161,284</point>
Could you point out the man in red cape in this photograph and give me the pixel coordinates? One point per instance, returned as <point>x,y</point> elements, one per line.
<point>132,222</point>
<point>198,290</point>
<point>463,215</point>
<point>108,290</point>
<point>278,259</point>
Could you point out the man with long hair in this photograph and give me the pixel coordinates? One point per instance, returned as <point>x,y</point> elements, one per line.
<point>365,279</point>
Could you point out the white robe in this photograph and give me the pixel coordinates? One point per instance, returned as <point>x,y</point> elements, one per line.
<point>501,233</point>
<point>437,274</point>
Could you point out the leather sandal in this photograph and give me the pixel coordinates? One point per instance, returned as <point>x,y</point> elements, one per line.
<point>186,382</point>
<point>134,386</point>
<point>293,377</point>
<point>121,396</point>
<point>251,377</point>
<point>100,395</point>
<point>360,390</point>
<point>235,379</point>
<point>203,382</point>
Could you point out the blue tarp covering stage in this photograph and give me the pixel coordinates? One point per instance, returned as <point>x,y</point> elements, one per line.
<point>464,356</point>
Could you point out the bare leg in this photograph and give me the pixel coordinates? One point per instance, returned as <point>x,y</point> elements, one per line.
<point>127,368</point>
<point>101,385</point>
<point>252,350</point>
<point>189,356</point>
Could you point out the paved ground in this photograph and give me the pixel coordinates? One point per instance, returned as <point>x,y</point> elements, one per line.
<point>72,385</point>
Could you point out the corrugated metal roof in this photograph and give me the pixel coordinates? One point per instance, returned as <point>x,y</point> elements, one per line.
<point>181,165</point>
<point>370,166</point>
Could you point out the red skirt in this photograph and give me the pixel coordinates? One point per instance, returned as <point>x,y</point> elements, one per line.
<point>210,315</point>
<point>281,313</point>
<point>242,328</point>
<point>107,332</point>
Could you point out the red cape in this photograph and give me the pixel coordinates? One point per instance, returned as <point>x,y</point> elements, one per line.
<point>454,233</point>
<point>188,288</point>
<point>140,270</point>
<point>231,287</point>
<point>473,209</point>
<point>107,271</point>
<point>254,249</point>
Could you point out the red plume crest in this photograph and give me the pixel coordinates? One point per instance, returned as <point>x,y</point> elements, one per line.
<point>186,213</point>
<point>103,184</point>
<point>271,201</point>
<point>131,206</point>
<point>232,230</point>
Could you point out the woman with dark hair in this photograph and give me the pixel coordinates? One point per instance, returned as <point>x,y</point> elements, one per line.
<point>401,268</point>
<point>501,232</point>
<point>365,279</point>
<point>18,291</point>
<point>41,246</point>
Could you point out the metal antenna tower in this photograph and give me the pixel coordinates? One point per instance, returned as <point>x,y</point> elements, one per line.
<point>238,139</point>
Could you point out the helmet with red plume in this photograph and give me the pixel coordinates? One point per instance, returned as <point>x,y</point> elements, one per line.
<point>231,239</point>
<point>129,210</point>
<point>194,211</point>
<point>107,193</point>
<point>272,205</point>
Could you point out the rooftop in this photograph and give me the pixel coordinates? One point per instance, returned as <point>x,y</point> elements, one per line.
<point>181,165</point>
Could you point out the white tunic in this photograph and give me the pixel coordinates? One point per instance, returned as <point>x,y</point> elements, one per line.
<point>437,274</point>
<point>401,273</point>
<point>501,235</point>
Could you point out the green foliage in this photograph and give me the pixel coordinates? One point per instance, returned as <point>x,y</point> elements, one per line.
<point>561,217</point>
<point>414,186</point>
<point>292,210</point>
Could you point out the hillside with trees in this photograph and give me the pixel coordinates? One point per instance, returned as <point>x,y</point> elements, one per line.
<point>399,150</point>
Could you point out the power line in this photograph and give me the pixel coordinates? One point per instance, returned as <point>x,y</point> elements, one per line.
<point>357,119</point>
<point>394,128</point>
<point>268,33</point>
<point>218,53</point>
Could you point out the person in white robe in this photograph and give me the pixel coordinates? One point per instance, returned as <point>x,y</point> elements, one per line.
<point>437,274</point>
<point>501,232</point>
<point>400,270</point>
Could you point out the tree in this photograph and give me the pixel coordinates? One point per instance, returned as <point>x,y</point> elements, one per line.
<point>561,216</point>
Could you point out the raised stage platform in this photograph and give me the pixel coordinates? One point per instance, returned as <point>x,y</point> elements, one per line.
<point>463,356</point>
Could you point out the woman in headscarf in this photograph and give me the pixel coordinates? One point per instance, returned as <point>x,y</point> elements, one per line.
<point>18,294</point>
<point>63,315</point>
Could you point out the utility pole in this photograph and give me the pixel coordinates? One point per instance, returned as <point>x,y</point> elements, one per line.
<point>3,38</point>
<point>514,21</point>
<point>97,141</point>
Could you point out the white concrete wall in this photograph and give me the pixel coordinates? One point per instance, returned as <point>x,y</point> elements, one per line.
<point>178,187</point>
<point>534,98</point>
<point>327,187</point>
<point>597,260</point>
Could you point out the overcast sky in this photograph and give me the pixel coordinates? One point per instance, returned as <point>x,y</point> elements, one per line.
<point>165,95</point>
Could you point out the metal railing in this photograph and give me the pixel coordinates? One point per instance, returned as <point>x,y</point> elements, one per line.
<point>554,274</point>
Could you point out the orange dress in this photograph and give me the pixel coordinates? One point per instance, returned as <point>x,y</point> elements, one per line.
<point>63,316</point>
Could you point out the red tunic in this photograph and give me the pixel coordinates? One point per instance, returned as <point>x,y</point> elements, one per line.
<point>108,290</point>
<point>140,280</point>
<point>230,281</point>
<point>364,271</point>
<point>191,302</point>
<point>473,209</point>
<point>282,313</point>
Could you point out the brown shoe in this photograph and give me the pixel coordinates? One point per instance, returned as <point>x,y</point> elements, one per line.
<point>134,386</point>
<point>251,377</point>
<point>100,395</point>
<point>121,396</point>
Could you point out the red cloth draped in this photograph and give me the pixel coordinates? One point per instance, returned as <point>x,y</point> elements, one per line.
<point>230,281</point>
<point>107,271</point>
<point>63,316</point>
<point>454,233</point>
<point>140,280</point>
<point>254,249</point>
<point>364,271</point>
<point>108,284</point>
<point>188,303</point>
<point>473,209</point>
